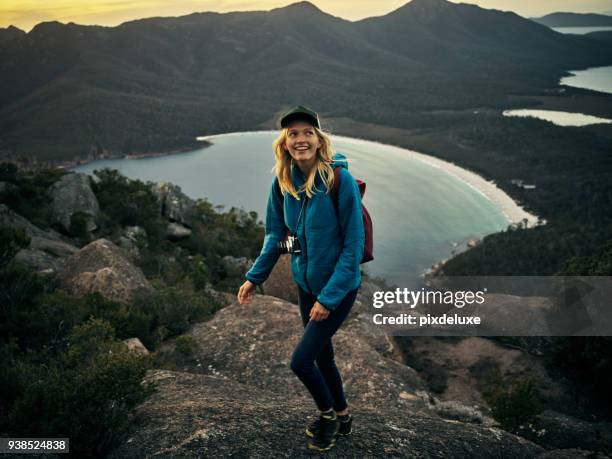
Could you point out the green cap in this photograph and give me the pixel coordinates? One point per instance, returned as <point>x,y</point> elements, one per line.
<point>300,113</point>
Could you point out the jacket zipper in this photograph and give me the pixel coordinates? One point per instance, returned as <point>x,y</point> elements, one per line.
<point>307,202</point>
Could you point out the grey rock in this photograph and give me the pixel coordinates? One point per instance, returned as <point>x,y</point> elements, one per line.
<point>572,453</point>
<point>8,187</point>
<point>12,219</point>
<point>557,430</point>
<point>133,239</point>
<point>253,344</point>
<point>175,205</point>
<point>459,412</point>
<point>71,194</point>
<point>102,267</point>
<point>196,415</point>
<point>136,233</point>
<point>236,266</point>
<point>509,315</point>
<point>129,246</point>
<point>46,255</point>
<point>135,344</point>
<point>47,251</point>
<point>176,232</point>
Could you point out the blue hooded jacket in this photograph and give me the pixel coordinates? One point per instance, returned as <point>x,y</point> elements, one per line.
<point>332,243</point>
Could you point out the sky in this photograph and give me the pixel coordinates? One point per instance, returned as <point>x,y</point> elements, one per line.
<point>25,14</point>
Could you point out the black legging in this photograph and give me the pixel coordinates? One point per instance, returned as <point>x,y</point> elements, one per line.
<point>323,381</point>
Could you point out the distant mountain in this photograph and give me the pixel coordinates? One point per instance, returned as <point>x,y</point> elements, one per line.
<point>71,91</point>
<point>603,35</point>
<point>574,20</point>
<point>10,33</point>
<point>466,38</point>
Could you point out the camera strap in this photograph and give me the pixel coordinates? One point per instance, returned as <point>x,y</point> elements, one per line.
<point>297,225</point>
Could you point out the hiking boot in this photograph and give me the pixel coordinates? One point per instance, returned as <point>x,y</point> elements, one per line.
<point>324,437</point>
<point>344,429</point>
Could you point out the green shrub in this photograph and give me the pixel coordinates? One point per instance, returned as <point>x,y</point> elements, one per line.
<point>124,202</point>
<point>172,310</point>
<point>512,402</point>
<point>586,361</point>
<point>28,197</point>
<point>78,226</point>
<point>12,240</point>
<point>85,393</point>
<point>185,346</point>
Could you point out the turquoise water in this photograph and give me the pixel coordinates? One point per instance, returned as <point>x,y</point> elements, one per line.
<point>420,212</point>
<point>596,78</point>
<point>559,118</point>
<point>581,30</point>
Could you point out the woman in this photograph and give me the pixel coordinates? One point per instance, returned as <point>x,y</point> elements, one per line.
<point>326,242</point>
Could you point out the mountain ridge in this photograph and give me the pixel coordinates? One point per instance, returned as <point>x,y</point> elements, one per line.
<point>169,80</point>
<point>569,19</point>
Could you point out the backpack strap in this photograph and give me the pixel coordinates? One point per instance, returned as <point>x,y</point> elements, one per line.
<point>278,190</point>
<point>335,191</point>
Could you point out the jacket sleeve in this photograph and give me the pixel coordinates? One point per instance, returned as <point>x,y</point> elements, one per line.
<point>275,232</point>
<point>351,222</point>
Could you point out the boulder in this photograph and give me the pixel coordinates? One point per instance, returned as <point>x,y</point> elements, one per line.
<point>176,232</point>
<point>459,412</point>
<point>280,281</point>
<point>133,239</point>
<point>175,205</point>
<point>46,255</point>
<point>47,251</point>
<point>510,315</point>
<point>136,234</point>
<point>71,194</point>
<point>134,344</point>
<point>12,219</point>
<point>236,267</point>
<point>556,430</point>
<point>102,267</point>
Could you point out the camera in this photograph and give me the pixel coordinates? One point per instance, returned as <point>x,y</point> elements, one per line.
<point>291,245</point>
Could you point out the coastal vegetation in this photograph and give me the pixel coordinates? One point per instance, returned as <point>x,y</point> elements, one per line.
<point>64,367</point>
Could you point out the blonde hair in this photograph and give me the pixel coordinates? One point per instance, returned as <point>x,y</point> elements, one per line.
<point>322,165</point>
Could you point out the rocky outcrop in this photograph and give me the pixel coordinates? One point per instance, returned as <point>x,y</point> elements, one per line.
<point>557,430</point>
<point>511,315</point>
<point>47,251</point>
<point>46,255</point>
<point>102,267</point>
<point>235,267</point>
<point>280,281</point>
<point>12,219</point>
<point>175,205</point>
<point>253,344</point>
<point>242,399</point>
<point>194,415</point>
<point>133,239</point>
<point>177,231</point>
<point>71,194</point>
<point>134,344</point>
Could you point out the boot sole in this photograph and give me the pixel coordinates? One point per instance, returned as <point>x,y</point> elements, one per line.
<point>316,448</point>
<point>338,434</point>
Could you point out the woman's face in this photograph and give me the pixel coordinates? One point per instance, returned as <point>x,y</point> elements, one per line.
<point>302,142</point>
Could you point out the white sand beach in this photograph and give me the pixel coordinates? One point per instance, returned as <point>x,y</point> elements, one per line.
<point>512,211</point>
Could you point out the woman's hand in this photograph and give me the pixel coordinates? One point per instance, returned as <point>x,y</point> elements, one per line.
<point>318,312</point>
<point>245,293</point>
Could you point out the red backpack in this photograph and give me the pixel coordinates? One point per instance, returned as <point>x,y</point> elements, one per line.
<point>368,247</point>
